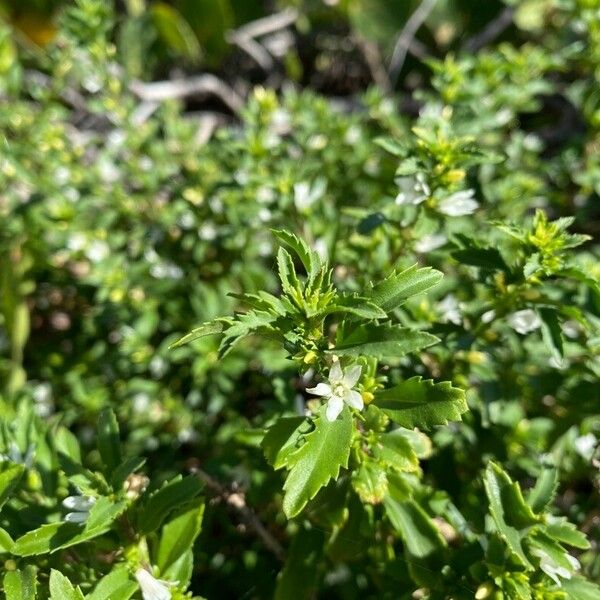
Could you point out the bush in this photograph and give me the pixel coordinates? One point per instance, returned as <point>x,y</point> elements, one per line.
<point>390,388</point>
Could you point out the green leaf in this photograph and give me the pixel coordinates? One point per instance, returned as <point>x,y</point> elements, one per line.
<point>179,533</point>
<point>209,328</point>
<point>423,404</point>
<point>416,528</point>
<point>356,305</point>
<point>62,589</point>
<point>108,440</point>
<point>128,466</point>
<point>287,273</point>
<point>175,30</point>
<point>382,341</point>
<point>398,287</point>
<point>298,579</point>
<point>116,585</point>
<point>488,259</point>
<point>284,438</point>
<point>252,322</point>
<point>9,480</point>
<point>567,533</point>
<point>370,482</point>
<point>551,332</point>
<point>508,509</point>
<point>57,536</point>
<point>326,449</point>
<point>21,585</point>
<point>395,451</point>
<point>309,258</point>
<point>545,487</point>
<point>6,542</point>
<point>579,588</point>
<point>169,497</point>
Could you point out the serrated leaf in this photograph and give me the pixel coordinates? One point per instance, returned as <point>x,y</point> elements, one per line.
<point>508,508</point>
<point>422,403</point>
<point>382,341</point>
<point>567,533</point>
<point>356,305</point>
<point>552,332</point>
<point>370,482</point>
<point>398,287</point>
<point>395,450</point>
<point>325,451</point>
<point>179,533</point>
<point>57,536</point>
<point>62,589</point>
<point>252,322</point>
<point>309,258</point>
<point>209,328</point>
<point>21,584</point>
<point>171,496</point>
<point>544,490</point>
<point>297,580</point>
<point>287,272</point>
<point>109,444</point>
<point>9,480</point>
<point>579,588</point>
<point>284,438</point>
<point>415,527</point>
<point>117,584</point>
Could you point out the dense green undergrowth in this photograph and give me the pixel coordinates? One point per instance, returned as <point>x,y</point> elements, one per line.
<point>390,388</point>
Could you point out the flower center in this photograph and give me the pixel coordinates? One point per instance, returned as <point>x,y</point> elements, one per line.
<point>339,390</point>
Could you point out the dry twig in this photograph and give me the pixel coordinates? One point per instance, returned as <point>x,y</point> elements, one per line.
<point>407,36</point>
<point>236,501</point>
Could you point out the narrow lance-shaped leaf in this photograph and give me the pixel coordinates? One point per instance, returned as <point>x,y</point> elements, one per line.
<point>382,341</point>
<point>210,328</point>
<point>21,584</point>
<point>398,287</point>
<point>62,589</point>
<point>108,440</point>
<point>422,403</point>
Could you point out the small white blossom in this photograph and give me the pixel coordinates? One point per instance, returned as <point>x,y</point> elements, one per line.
<point>97,251</point>
<point>554,571</point>
<point>449,308</point>
<point>413,190</point>
<point>570,329</point>
<point>524,321</point>
<point>488,316</point>
<point>430,243</point>
<point>81,506</point>
<point>459,204</point>
<point>152,588</point>
<point>16,456</point>
<point>585,445</point>
<point>339,390</point>
<point>306,194</point>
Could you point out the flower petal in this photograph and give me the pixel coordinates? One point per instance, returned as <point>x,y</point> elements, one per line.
<point>321,389</point>
<point>352,375</point>
<point>79,503</point>
<point>76,517</point>
<point>336,373</point>
<point>334,408</point>
<point>355,400</point>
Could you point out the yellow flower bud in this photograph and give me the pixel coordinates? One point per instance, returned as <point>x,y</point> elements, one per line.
<point>368,397</point>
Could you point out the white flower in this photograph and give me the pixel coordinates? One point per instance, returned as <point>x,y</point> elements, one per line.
<point>430,242</point>
<point>488,316</point>
<point>81,506</point>
<point>449,308</point>
<point>152,588</point>
<point>585,445</point>
<point>524,321</point>
<point>553,570</point>
<point>305,194</point>
<point>339,390</point>
<point>459,204</point>
<point>413,190</point>
<point>97,251</point>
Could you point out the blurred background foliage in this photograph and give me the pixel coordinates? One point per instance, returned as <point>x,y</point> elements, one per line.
<point>126,221</point>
